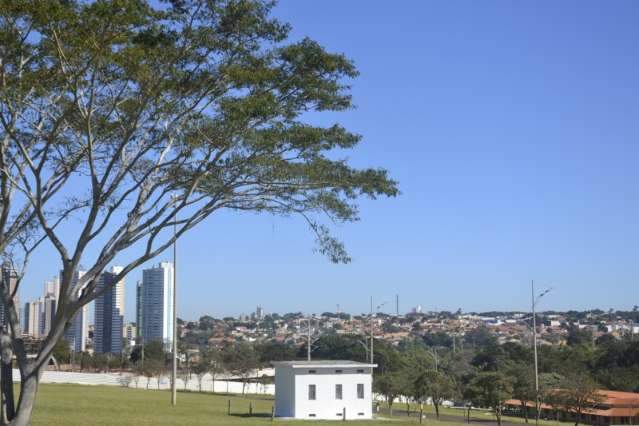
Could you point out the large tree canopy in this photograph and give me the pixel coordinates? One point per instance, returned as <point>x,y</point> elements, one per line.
<point>131,117</point>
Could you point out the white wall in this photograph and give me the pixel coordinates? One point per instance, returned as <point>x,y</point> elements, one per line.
<point>285,395</point>
<point>325,406</point>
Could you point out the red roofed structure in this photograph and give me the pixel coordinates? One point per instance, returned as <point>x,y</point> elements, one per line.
<point>615,408</point>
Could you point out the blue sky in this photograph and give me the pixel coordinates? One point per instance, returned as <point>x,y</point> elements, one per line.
<point>513,130</point>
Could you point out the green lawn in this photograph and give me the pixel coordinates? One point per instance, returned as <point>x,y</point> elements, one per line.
<point>105,405</point>
<point>475,414</point>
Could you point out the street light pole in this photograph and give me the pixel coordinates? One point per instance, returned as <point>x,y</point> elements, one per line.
<point>534,315</point>
<point>174,369</point>
<point>371,324</point>
<point>309,340</point>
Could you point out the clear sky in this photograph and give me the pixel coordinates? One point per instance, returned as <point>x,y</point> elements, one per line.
<point>513,129</point>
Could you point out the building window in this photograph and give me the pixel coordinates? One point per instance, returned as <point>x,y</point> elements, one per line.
<point>312,393</point>
<point>360,391</point>
<point>338,371</point>
<point>338,391</point>
<point>312,371</point>
<point>360,371</point>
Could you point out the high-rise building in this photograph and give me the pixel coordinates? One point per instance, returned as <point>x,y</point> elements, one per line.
<point>157,304</point>
<point>259,313</point>
<point>77,330</point>
<point>10,276</point>
<point>52,287</point>
<point>109,313</point>
<point>130,333</point>
<point>32,313</point>
<point>48,305</point>
<point>139,305</point>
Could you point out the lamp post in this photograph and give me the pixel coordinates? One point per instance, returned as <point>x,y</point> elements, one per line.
<point>174,331</point>
<point>433,351</point>
<point>371,326</point>
<point>535,301</point>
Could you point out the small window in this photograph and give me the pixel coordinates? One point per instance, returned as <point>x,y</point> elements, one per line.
<point>311,415</point>
<point>312,371</point>
<point>312,392</point>
<point>338,371</point>
<point>338,391</point>
<point>360,391</point>
<point>360,371</point>
<point>360,414</point>
<point>339,414</point>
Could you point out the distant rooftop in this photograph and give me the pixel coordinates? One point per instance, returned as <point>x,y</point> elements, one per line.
<point>322,364</point>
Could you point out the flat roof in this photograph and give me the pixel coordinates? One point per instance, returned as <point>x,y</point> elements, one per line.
<point>322,364</point>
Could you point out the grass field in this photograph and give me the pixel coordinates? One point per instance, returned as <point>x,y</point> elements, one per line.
<point>105,405</point>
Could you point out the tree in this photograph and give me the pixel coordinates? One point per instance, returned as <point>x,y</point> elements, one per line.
<point>491,390</point>
<point>241,360</point>
<point>578,393</point>
<point>131,118</point>
<point>435,385</point>
<point>212,362</point>
<point>275,351</point>
<point>200,369</point>
<point>524,387</point>
<point>576,336</point>
<point>390,385</point>
<point>62,352</point>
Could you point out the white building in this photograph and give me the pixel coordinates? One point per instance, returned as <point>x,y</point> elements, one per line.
<point>32,312</point>
<point>157,304</point>
<point>109,313</point>
<point>328,390</point>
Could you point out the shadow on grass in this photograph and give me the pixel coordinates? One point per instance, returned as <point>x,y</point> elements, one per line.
<point>250,396</point>
<point>248,416</point>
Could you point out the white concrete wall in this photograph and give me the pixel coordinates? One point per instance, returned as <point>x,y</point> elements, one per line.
<point>115,379</point>
<point>325,406</point>
<point>285,392</point>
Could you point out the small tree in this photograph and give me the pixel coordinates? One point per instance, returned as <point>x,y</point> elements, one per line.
<point>491,390</point>
<point>390,385</point>
<point>211,362</point>
<point>524,388</point>
<point>579,393</point>
<point>241,360</point>
<point>200,369</point>
<point>185,375</point>
<point>436,385</point>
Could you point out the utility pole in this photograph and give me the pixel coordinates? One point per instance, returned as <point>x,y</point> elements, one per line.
<point>174,369</point>
<point>534,314</point>
<point>309,339</point>
<point>371,324</point>
<point>397,304</point>
<point>535,300</point>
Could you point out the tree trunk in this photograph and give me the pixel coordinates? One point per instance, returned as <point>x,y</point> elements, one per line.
<point>436,409</point>
<point>6,377</point>
<point>524,410</point>
<point>28,391</point>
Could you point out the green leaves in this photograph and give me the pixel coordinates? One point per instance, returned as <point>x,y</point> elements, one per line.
<point>204,98</point>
